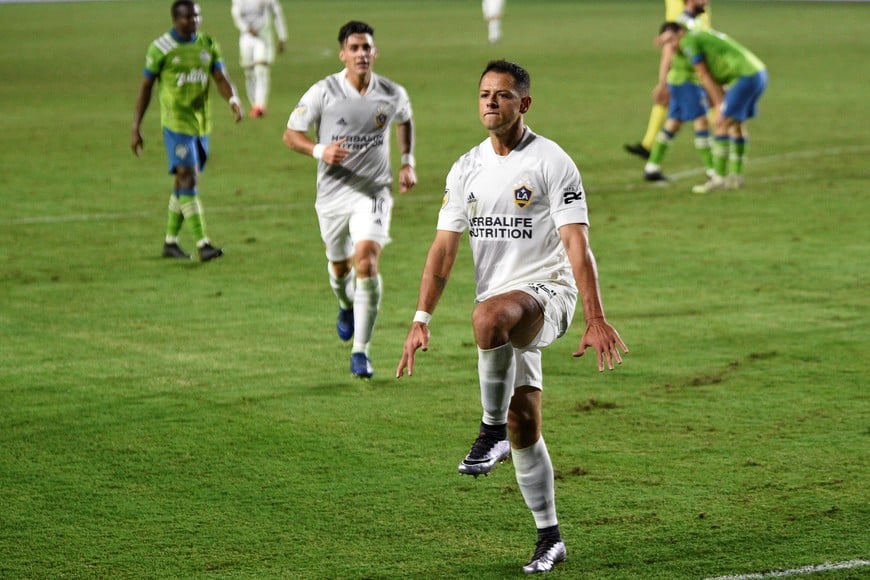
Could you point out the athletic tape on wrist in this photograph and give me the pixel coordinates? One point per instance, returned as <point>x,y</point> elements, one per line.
<point>317,153</point>
<point>408,159</point>
<point>423,316</point>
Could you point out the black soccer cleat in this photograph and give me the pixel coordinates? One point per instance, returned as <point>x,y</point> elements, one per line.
<point>208,252</point>
<point>655,176</point>
<point>174,251</point>
<point>637,149</point>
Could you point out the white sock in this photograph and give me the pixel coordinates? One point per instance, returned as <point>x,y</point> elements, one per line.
<point>251,86</point>
<point>341,287</point>
<point>494,30</point>
<point>534,472</point>
<point>261,76</point>
<point>496,368</point>
<point>366,302</point>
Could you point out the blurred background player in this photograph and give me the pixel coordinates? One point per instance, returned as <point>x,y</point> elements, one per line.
<point>259,21</point>
<point>721,61</point>
<point>686,102</point>
<point>183,61</point>
<point>352,111</point>
<point>493,11</point>
<point>674,10</point>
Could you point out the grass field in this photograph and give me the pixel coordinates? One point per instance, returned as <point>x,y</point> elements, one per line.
<point>175,420</point>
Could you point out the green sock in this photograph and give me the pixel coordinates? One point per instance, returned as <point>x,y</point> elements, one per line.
<point>738,150</point>
<point>173,223</point>
<point>720,154</point>
<point>192,210</point>
<point>660,148</point>
<point>702,146</point>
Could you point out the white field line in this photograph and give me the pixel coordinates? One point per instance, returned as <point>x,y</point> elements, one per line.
<point>99,217</point>
<point>826,567</point>
<point>781,157</point>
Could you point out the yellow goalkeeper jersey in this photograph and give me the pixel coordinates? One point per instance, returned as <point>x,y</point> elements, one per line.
<point>673,9</point>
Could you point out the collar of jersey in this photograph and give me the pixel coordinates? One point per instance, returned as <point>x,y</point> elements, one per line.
<point>174,34</point>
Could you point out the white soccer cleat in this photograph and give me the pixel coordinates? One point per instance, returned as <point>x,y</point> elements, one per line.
<point>734,181</point>
<point>547,554</point>
<point>485,453</point>
<point>715,183</point>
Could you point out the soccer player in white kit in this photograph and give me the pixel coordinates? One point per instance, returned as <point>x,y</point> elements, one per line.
<point>493,11</point>
<point>258,21</point>
<point>521,200</point>
<point>352,111</point>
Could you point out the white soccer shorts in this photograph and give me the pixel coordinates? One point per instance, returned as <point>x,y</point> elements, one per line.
<point>360,218</point>
<point>255,50</point>
<point>558,303</point>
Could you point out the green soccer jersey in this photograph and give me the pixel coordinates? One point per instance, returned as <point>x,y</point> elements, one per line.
<point>183,70</point>
<point>682,71</point>
<point>726,59</point>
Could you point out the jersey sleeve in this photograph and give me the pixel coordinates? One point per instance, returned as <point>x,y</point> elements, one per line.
<point>689,47</point>
<point>567,198</point>
<point>154,59</point>
<point>307,112</point>
<point>280,23</point>
<point>217,56</point>
<point>403,109</point>
<point>236,12</point>
<point>452,217</point>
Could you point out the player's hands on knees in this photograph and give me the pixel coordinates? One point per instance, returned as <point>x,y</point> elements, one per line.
<point>407,178</point>
<point>606,342</point>
<point>660,94</point>
<point>418,337</point>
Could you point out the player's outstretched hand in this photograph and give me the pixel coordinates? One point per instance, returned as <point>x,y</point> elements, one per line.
<point>606,342</point>
<point>418,337</point>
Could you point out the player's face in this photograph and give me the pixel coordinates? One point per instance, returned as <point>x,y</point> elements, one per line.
<point>358,53</point>
<point>187,21</point>
<point>696,7</point>
<point>500,104</point>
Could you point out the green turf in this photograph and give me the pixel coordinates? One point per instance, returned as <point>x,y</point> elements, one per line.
<point>164,419</point>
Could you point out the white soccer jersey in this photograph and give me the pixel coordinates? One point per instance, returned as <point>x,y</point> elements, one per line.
<point>513,207</point>
<point>259,16</point>
<point>338,111</point>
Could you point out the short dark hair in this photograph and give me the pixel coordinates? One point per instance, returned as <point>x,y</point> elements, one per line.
<point>670,27</point>
<point>354,27</point>
<point>178,4</point>
<point>522,81</point>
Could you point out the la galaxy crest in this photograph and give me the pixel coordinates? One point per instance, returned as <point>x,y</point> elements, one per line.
<point>380,119</point>
<point>523,196</point>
